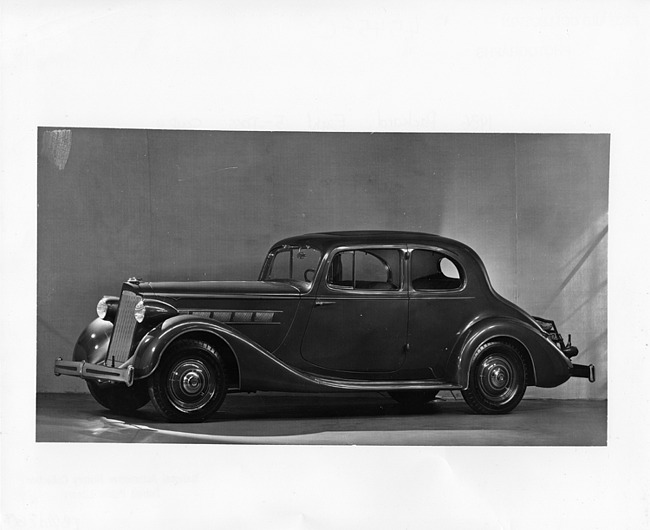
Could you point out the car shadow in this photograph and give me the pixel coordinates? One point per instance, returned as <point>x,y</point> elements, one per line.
<point>344,419</point>
<point>270,407</point>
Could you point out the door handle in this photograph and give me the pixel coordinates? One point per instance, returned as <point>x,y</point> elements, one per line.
<point>323,302</point>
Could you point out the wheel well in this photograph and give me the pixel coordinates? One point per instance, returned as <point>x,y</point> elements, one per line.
<point>229,360</point>
<point>525,355</point>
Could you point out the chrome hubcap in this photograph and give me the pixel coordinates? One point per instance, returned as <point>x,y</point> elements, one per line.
<point>496,378</point>
<point>190,384</point>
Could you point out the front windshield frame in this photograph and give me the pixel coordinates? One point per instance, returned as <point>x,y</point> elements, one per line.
<point>296,274</point>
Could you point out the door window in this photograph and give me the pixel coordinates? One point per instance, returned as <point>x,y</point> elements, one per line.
<point>368,269</point>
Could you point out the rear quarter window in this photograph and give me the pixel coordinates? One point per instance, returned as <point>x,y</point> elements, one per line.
<point>434,271</point>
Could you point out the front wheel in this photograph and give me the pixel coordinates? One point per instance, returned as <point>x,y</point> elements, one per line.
<point>190,383</point>
<point>497,379</point>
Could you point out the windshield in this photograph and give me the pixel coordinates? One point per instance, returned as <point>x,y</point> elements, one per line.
<point>291,264</point>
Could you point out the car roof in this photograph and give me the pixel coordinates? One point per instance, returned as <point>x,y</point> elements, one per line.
<point>328,240</point>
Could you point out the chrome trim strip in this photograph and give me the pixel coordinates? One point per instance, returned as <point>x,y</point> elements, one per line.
<point>235,316</point>
<point>216,296</point>
<point>235,323</point>
<point>205,310</point>
<point>384,385</point>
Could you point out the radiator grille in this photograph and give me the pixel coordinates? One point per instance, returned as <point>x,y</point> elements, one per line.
<point>124,328</point>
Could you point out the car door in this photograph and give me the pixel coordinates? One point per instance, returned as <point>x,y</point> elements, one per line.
<point>440,306</point>
<point>359,318</point>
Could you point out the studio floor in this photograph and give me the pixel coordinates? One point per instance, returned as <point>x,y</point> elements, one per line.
<point>341,419</point>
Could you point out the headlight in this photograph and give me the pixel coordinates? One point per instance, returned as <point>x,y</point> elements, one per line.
<point>107,308</point>
<point>139,312</point>
<point>102,308</point>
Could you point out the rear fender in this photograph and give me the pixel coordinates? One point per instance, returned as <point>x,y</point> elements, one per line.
<point>258,369</point>
<point>550,367</point>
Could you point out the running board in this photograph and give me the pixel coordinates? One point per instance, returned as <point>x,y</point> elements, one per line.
<point>380,386</point>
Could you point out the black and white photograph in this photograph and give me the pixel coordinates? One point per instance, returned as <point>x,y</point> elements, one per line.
<point>322,288</point>
<point>324,265</point>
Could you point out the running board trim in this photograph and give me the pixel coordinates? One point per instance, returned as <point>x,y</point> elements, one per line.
<point>383,385</point>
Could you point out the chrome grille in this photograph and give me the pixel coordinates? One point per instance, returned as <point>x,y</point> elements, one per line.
<point>124,328</point>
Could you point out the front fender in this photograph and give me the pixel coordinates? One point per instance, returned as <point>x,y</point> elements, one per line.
<point>550,367</point>
<point>258,369</point>
<point>92,344</point>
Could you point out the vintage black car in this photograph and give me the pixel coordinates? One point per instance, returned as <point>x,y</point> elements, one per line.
<point>405,313</point>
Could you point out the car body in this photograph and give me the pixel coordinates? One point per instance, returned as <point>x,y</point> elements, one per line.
<point>406,313</point>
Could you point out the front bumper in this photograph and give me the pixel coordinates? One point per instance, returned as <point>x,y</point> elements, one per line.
<point>94,371</point>
<point>583,370</point>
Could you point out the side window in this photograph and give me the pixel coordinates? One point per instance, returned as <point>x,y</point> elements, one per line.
<point>370,269</point>
<point>432,270</point>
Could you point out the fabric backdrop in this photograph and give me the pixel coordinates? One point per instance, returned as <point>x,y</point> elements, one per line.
<point>179,205</point>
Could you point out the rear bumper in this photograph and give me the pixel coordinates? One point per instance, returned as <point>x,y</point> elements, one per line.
<point>582,370</point>
<point>94,371</point>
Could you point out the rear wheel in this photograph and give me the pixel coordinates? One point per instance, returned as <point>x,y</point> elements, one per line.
<point>190,382</point>
<point>413,398</point>
<point>118,397</point>
<point>497,379</point>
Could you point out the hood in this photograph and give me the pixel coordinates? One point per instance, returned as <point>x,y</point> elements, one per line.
<point>248,307</point>
<point>218,289</point>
